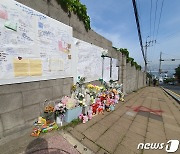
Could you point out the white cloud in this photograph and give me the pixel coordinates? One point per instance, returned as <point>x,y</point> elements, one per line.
<point>116,22</point>
<point>121,42</point>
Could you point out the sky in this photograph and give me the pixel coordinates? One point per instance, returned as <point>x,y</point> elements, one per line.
<point>115,20</point>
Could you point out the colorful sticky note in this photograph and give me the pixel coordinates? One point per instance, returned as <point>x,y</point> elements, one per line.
<point>11,25</point>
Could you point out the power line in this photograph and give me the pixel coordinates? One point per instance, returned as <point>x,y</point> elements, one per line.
<point>150,18</point>
<point>155,18</point>
<point>139,15</point>
<point>171,36</point>
<point>160,18</point>
<point>138,28</point>
<point>167,35</point>
<point>170,55</point>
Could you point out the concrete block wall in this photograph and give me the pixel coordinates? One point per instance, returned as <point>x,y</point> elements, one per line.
<point>22,103</point>
<point>19,101</point>
<point>124,73</point>
<point>135,79</point>
<point>141,79</point>
<point>132,79</point>
<point>128,77</point>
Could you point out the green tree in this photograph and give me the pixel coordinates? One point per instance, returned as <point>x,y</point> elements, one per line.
<point>177,73</point>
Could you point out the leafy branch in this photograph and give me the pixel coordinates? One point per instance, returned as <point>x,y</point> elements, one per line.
<point>77,8</point>
<point>125,52</point>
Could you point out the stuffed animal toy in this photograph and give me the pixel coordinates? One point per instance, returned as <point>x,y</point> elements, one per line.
<point>107,107</point>
<point>36,132</point>
<point>84,118</point>
<point>122,97</point>
<point>90,113</point>
<point>115,91</point>
<point>48,109</point>
<point>116,99</point>
<point>111,107</point>
<point>112,101</point>
<point>101,109</point>
<point>108,103</point>
<point>103,97</point>
<point>108,100</point>
<point>80,116</point>
<point>98,101</point>
<point>41,121</point>
<point>94,108</point>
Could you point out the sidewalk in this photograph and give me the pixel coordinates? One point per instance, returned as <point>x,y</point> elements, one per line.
<point>121,131</point>
<point>117,132</point>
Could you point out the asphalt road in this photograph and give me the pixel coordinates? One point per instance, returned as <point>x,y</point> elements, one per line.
<point>174,88</point>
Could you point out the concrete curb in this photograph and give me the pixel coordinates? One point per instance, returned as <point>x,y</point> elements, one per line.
<point>74,142</point>
<point>172,94</point>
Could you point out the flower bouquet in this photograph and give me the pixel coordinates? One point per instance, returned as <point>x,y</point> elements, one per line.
<point>60,110</point>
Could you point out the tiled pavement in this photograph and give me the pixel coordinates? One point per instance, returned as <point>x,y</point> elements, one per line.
<point>122,130</point>
<point>117,132</point>
<point>50,143</point>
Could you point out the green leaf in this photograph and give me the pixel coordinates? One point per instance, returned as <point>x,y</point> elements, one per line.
<point>78,8</point>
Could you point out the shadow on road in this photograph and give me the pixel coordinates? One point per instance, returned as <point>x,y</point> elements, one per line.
<point>37,146</point>
<point>40,146</point>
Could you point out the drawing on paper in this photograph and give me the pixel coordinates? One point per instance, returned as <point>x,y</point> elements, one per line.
<point>3,12</point>
<point>64,47</point>
<point>56,65</point>
<point>35,67</point>
<point>11,25</point>
<point>21,67</point>
<point>43,43</point>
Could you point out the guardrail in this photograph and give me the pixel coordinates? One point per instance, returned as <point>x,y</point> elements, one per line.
<point>172,94</point>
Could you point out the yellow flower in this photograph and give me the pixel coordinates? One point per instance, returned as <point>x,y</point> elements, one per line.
<point>73,87</point>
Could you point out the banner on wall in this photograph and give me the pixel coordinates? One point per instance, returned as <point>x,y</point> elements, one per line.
<point>114,69</point>
<point>89,60</point>
<point>33,46</point>
<point>110,69</point>
<point>106,75</point>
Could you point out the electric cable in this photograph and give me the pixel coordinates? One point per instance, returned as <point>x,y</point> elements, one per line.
<point>150,18</point>
<point>155,18</point>
<point>160,18</point>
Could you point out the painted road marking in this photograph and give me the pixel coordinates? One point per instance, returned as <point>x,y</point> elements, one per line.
<point>174,93</point>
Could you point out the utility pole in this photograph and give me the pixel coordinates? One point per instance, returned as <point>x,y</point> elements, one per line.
<point>160,59</point>
<point>148,43</point>
<point>146,55</point>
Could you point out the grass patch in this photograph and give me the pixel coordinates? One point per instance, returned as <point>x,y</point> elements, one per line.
<point>73,123</point>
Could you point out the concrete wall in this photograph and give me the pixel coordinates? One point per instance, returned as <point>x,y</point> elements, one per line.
<point>22,103</point>
<point>135,79</point>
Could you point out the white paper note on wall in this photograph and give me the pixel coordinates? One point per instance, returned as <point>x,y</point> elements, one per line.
<point>114,70</point>
<point>27,33</point>
<point>89,63</point>
<point>106,69</point>
<point>56,65</point>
